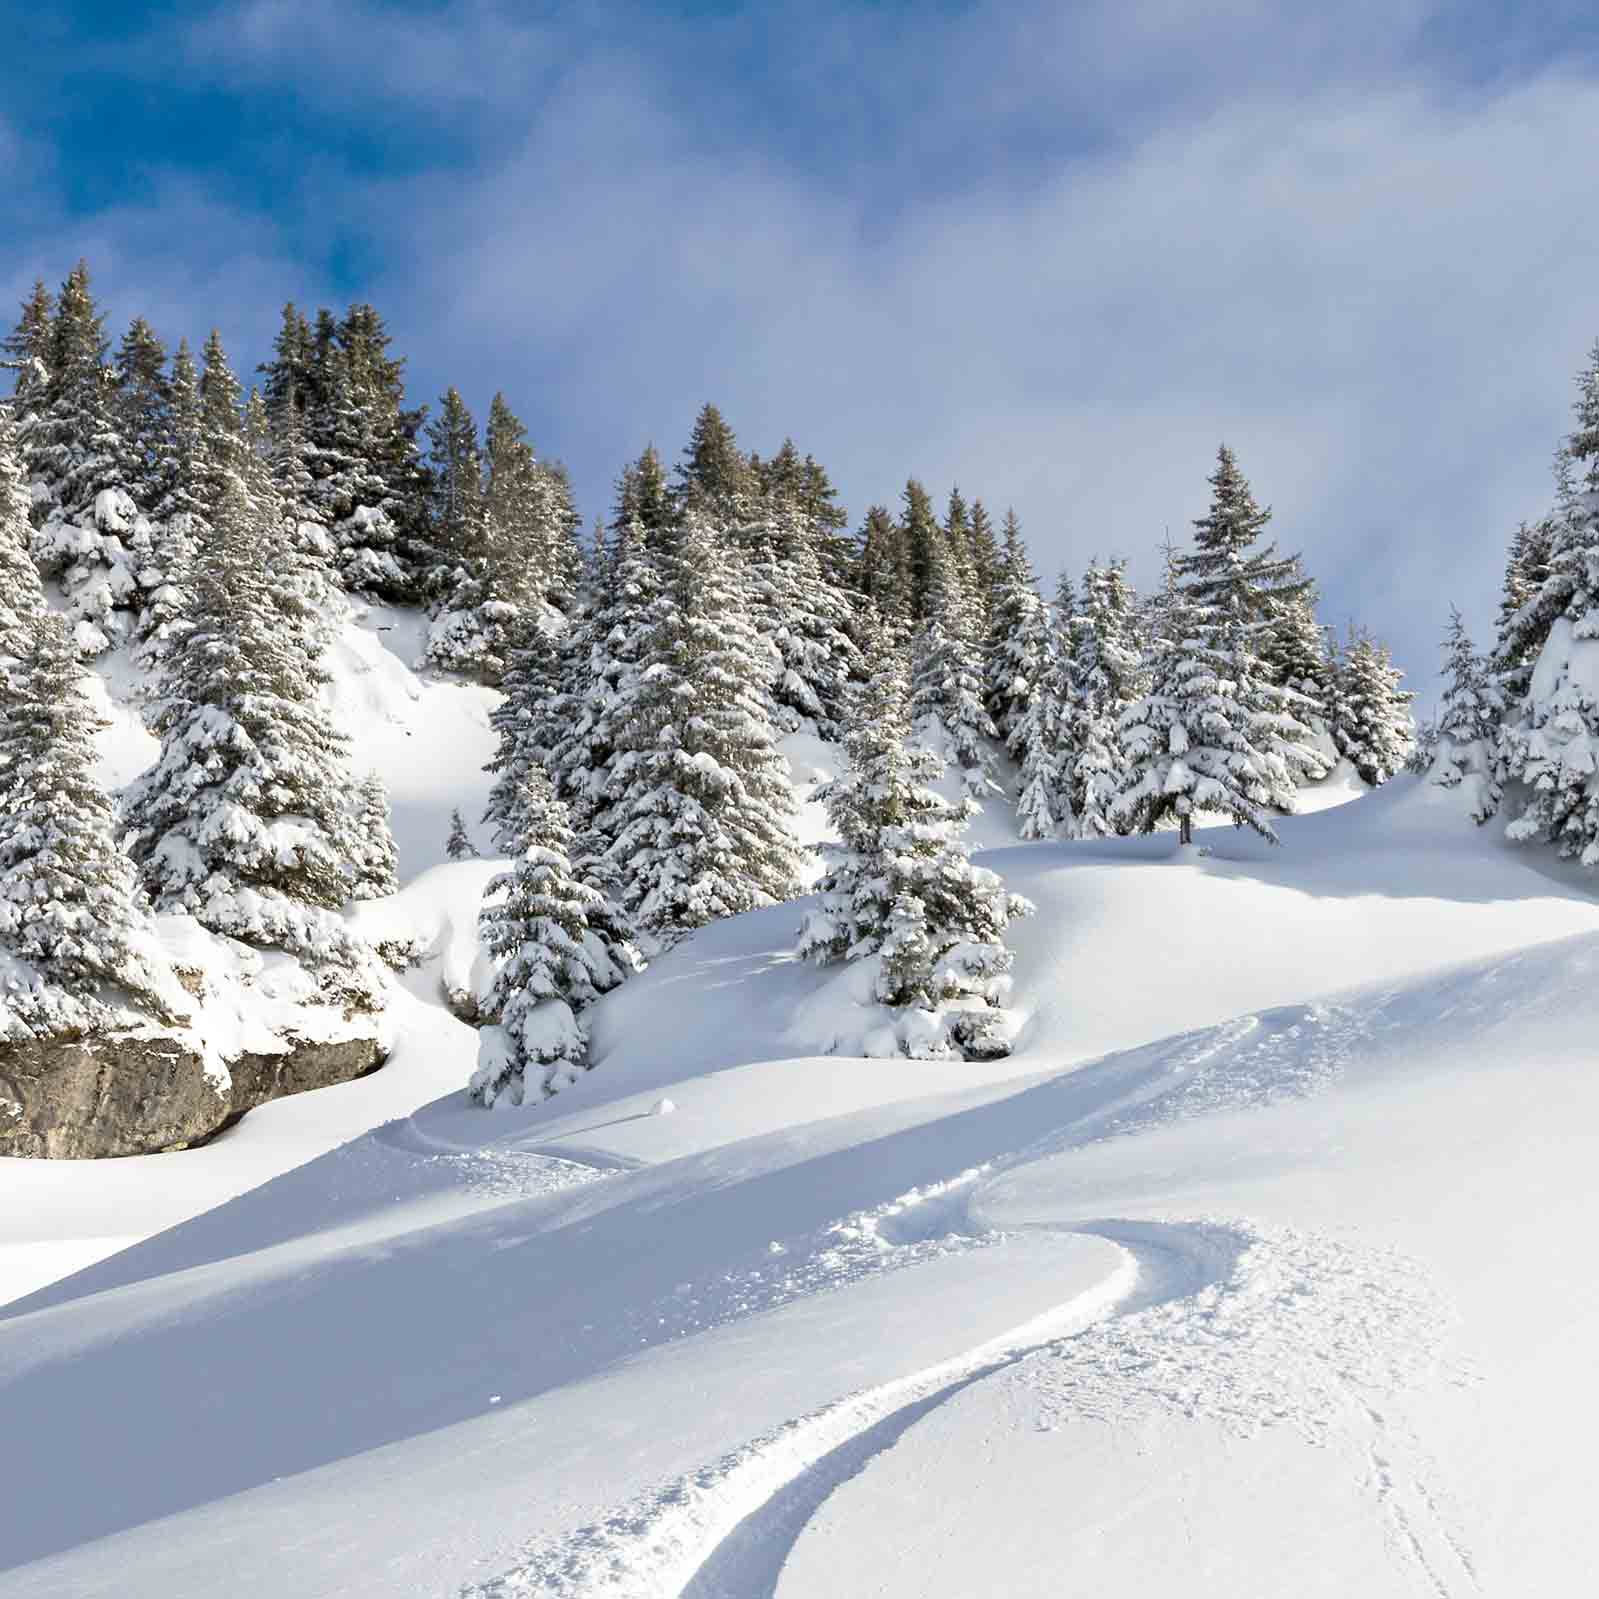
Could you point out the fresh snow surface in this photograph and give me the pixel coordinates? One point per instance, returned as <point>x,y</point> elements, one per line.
<point>1259,1269</point>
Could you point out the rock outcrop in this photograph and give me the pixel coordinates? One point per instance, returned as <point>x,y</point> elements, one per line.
<point>143,1092</point>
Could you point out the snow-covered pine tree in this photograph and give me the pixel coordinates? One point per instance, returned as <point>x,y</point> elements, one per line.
<point>1048,755</point>
<point>947,682</point>
<point>882,572</point>
<point>804,619</point>
<point>376,861</point>
<point>1549,743</point>
<point>602,659</point>
<point>1295,648</point>
<point>518,559</point>
<point>70,907</point>
<point>86,522</point>
<point>1524,616</point>
<point>1212,731</point>
<point>700,803</point>
<point>531,682</point>
<point>714,478</point>
<point>455,505</point>
<point>459,846</point>
<point>1103,677</point>
<point>179,514</point>
<point>1369,715</point>
<point>245,820</point>
<point>544,925</point>
<point>902,889</point>
<point>1262,593</point>
<point>985,559</point>
<point>1464,735</point>
<point>1018,641</point>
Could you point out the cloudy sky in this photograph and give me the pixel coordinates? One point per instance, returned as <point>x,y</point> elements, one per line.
<point>1054,252</point>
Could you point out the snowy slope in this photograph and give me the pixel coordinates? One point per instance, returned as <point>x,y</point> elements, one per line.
<point>1256,1270</point>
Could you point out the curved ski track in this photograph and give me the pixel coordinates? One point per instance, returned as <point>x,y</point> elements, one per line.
<point>1247,1325</point>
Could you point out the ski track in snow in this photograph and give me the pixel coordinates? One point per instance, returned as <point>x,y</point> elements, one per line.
<point>1229,1320</point>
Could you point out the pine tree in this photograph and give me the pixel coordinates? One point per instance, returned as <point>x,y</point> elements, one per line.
<point>1463,737</point>
<point>1043,803</point>
<point>986,560</point>
<point>1102,674</point>
<point>459,846</point>
<point>714,478</point>
<point>1018,632</point>
<point>1212,732</point>
<point>947,683</point>
<point>1549,741</point>
<point>70,906</point>
<point>531,682</point>
<point>179,514</point>
<point>377,861</point>
<point>245,820</point>
<point>518,561</point>
<point>700,820</point>
<point>1524,615</point>
<point>456,503</point>
<point>87,524</point>
<point>883,571</point>
<point>903,889</point>
<point>922,541</point>
<point>27,352</point>
<point>144,401</point>
<point>543,925</point>
<point>1369,714</point>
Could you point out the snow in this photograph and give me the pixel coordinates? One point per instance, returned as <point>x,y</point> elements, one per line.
<point>1257,1268</point>
<point>1251,1271</point>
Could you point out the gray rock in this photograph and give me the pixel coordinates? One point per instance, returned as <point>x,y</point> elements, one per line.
<point>140,1093</point>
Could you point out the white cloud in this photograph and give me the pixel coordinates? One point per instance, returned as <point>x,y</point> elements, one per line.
<point>1054,254</point>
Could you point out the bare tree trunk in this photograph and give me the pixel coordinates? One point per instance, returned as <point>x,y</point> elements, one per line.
<point>1186,833</point>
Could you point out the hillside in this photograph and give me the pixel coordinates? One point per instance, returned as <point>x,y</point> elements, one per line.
<point>1228,1281</point>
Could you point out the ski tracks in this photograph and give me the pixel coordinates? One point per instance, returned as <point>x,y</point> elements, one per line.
<point>1247,1325</point>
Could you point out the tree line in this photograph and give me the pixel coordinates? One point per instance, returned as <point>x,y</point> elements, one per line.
<point>649,671</point>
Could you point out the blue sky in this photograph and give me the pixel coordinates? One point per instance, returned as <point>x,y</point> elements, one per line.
<point>1054,252</point>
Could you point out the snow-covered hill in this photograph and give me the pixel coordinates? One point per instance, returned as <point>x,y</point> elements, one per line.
<point>1256,1270</point>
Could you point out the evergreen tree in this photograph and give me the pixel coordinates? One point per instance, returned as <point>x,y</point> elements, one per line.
<point>1369,714</point>
<point>1524,616</point>
<point>702,807</point>
<point>27,352</point>
<point>947,686</point>
<point>1102,674</point>
<point>144,401</point>
<point>70,906</point>
<point>1549,742</point>
<point>1263,596</point>
<point>903,889</point>
<point>922,541</point>
<point>459,846</point>
<point>532,681</point>
<point>714,478</point>
<point>377,861</point>
<point>542,924</point>
<point>987,560</point>
<point>1462,739</point>
<point>1043,802</point>
<point>883,572</point>
<point>179,513</point>
<point>518,560</point>
<point>456,507</point>
<point>1018,633</point>
<point>87,524</point>
<point>245,820</point>
<point>1213,732</point>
